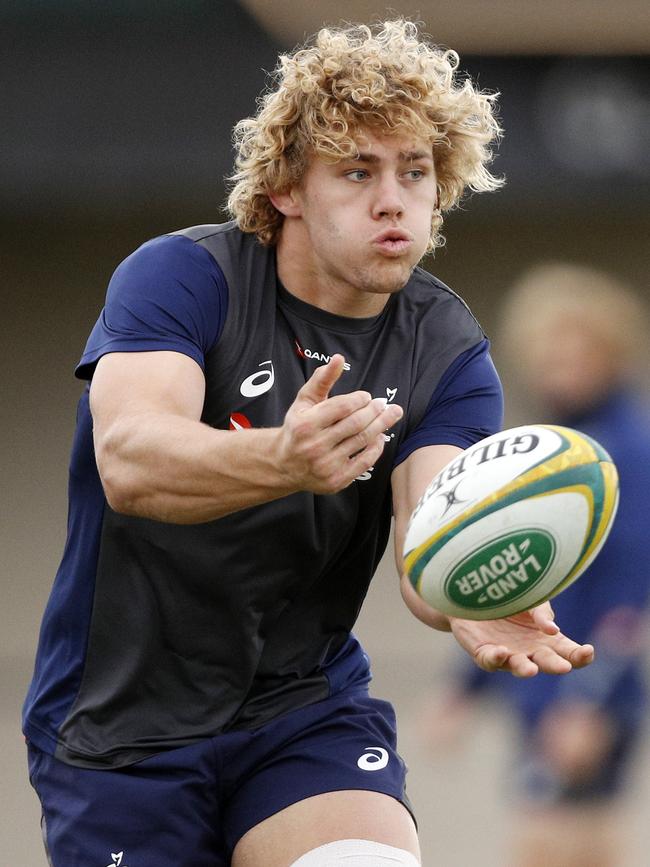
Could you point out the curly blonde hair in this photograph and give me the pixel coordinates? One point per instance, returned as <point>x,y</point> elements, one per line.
<point>386,79</point>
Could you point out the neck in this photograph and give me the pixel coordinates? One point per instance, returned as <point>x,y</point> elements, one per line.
<point>303,275</point>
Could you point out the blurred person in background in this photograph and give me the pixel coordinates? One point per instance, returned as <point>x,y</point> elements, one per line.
<point>572,339</point>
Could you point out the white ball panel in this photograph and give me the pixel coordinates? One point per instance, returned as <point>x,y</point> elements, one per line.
<point>452,492</point>
<point>564,516</point>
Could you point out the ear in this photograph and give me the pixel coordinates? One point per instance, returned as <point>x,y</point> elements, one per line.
<point>287,203</point>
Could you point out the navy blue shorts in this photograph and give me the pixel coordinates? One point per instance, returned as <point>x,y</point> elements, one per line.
<point>188,807</point>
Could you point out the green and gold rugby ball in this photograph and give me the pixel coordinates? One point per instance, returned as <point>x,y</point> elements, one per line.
<point>511,522</point>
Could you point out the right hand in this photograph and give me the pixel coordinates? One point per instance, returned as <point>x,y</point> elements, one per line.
<point>523,644</point>
<point>326,442</point>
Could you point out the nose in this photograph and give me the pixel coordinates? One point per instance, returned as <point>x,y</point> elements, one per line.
<point>388,201</point>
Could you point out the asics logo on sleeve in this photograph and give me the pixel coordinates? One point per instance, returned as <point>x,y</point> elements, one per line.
<point>117,860</point>
<point>374,759</point>
<point>259,382</point>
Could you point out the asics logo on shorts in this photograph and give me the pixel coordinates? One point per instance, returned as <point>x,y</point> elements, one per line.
<point>374,759</point>
<point>117,860</point>
<point>259,382</point>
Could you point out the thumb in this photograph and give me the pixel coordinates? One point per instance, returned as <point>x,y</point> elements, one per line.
<point>322,380</point>
<point>544,619</point>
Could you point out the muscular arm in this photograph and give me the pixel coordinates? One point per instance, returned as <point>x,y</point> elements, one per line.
<point>157,459</point>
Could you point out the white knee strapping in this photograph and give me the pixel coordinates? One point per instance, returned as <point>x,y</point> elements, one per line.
<point>356,853</point>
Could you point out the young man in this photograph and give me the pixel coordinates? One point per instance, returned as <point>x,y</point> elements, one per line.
<point>261,394</point>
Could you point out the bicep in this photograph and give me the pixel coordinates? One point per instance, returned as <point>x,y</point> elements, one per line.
<point>128,384</point>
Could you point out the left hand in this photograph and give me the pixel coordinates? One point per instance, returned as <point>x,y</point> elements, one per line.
<point>523,644</point>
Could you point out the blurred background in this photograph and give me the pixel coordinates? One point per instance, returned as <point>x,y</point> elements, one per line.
<point>116,122</point>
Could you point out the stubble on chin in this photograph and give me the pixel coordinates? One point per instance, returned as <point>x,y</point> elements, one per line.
<point>376,275</point>
<point>383,279</point>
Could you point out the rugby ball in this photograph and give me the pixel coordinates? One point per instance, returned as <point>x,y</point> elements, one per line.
<point>511,521</point>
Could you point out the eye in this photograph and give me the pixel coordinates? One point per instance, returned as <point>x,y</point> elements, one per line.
<point>357,175</point>
<point>415,174</point>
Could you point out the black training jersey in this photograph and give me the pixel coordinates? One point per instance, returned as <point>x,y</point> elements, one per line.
<point>159,634</point>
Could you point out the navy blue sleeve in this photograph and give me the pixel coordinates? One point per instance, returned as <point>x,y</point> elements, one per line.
<point>466,406</point>
<point>170,294</point>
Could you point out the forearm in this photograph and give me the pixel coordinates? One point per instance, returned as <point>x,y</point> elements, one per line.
<point>424,612</point>
<point>409,482</point>
<point>174,469</point>
<point>156,459</point>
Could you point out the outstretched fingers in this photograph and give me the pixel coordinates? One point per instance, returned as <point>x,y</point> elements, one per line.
<point>550,662</point>
<point>342,414</point>
<point>345,431</point>
<point>581,655</point>
<point>492,657</point>
<point>523,645</point>
<point>544,659</point>
<point>360,429</point>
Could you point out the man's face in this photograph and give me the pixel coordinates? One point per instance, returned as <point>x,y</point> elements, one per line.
<point>570,365</point>
<point>366,221</point>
